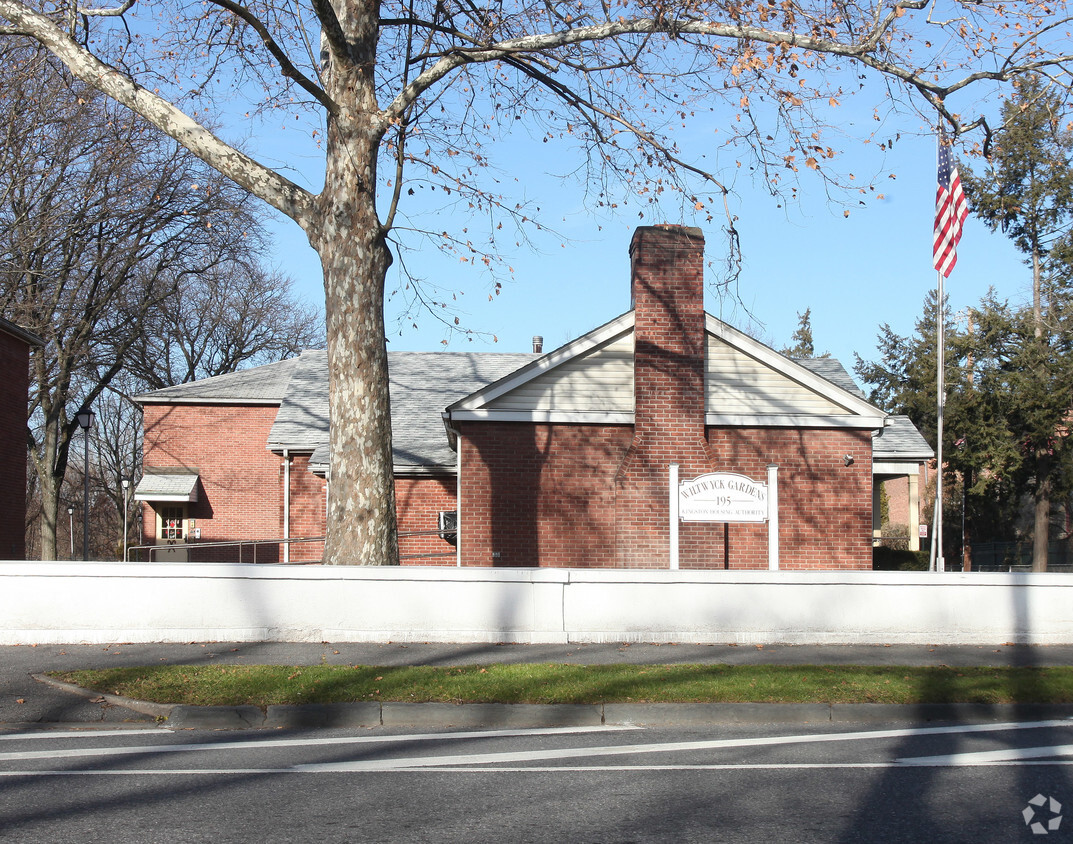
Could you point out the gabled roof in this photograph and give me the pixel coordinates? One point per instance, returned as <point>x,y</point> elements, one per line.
<point>477,405</point>
<point>591,380</point>
<point>265,384</point>
<point>422,385</point>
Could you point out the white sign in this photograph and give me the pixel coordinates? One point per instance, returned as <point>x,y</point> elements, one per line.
<point>722,497</point>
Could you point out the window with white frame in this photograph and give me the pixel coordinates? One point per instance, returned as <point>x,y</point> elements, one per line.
<point>172,522</point>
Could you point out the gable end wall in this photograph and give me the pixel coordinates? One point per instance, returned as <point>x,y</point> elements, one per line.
<point>544,495</point>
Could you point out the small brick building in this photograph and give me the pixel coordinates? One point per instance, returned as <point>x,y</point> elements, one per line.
<point>558,459</point>
<point>15,346</point>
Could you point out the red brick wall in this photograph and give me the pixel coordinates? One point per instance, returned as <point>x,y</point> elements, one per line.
<point>240,495</point>
<point>14,363</point>
<point>667,278</point>
<point>825,506</point>
<point>539,495</point>
<point>545,495</point>
<point>240,492</point>
<point>418,502</point>
<point>308,517</point>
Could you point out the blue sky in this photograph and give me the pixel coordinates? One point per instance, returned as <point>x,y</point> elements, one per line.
<point>855,272</point>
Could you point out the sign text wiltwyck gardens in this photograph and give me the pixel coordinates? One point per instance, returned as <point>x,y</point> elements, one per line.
<point>725,497</point>
<point>722,497</point>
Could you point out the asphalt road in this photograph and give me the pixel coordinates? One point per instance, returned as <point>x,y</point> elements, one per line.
<point>892,783</point>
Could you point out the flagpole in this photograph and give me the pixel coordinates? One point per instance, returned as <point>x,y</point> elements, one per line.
<point>940,339</point>
<point>951,211</point>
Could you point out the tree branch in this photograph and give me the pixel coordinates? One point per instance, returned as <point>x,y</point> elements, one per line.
<point>263,182</point>
<point>286,66</point>
<point>116,12</point>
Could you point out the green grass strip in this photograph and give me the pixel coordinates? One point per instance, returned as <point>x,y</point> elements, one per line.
<point>264,685</point>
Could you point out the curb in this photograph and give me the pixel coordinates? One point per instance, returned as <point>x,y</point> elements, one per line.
<point>501,715</point>
<point>144,707</point>
<point>530,715</point>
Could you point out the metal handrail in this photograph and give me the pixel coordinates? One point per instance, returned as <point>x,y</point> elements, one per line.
<point>239,543</point>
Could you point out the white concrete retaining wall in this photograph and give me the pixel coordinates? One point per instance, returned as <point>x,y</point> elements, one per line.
<point>182,602</point>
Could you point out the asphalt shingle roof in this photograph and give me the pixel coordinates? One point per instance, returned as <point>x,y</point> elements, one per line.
<point>166,487</point>
<point>423,384</point>
<point>900,440</point>
<point>833,371</point>
<point>265,384</point>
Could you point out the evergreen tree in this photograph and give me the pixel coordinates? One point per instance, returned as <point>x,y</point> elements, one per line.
<point>1027,192</point>
<point>802,338</point>
<point>903,379</point>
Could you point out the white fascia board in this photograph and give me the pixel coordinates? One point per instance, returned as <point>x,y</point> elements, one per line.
<point>538,367</point>
<point>791,369</point>
<point>727,420</point>
<point>879,467</point>
<point>146,400</point>
<point>293,450</point>
<point>149,496</point>
<point>576,417</point>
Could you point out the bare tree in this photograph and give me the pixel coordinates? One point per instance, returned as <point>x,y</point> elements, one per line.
<point>233,316</point>
<point>99,216</point>
<point>117,456</point>
<point>414,92</point>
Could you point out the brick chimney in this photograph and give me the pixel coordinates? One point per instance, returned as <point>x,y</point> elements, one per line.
<point>667,278</point>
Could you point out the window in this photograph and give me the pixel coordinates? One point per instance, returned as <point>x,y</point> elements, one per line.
<point>171,523</point>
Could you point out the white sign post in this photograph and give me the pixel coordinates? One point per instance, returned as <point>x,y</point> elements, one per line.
<point>725,497</point>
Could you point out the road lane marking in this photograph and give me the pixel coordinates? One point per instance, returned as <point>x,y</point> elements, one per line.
<point>259,744</point>
<point>535,769</point>
<point>667,747</point>
<point>87,733</point>
<point>487,761</point>
<point>984,756</point>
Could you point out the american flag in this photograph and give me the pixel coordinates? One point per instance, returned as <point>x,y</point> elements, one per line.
<point>951,209</point>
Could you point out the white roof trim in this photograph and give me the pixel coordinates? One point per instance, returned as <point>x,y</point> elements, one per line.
<point>880,467</point>
<point>538,367</point>
<point>720,420</point>
<point>145,399</point>
<point>791,369</point>
<point>292,450</point>
<point>582,417</point>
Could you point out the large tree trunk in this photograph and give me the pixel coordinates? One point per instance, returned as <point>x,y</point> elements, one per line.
<point>51,486</point>
<point>355,257</point>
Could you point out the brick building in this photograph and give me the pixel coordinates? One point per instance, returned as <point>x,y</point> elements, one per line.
<point>558,459</point>
<point>15,346</point>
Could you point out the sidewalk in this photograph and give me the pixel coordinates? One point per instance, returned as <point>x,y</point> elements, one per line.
<point>26,702</point>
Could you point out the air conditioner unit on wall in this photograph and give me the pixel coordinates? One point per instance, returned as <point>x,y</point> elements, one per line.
<point>448,525</point>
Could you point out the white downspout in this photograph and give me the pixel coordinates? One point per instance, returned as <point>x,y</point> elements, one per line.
<point>453,432</point>
<point>286,505</point>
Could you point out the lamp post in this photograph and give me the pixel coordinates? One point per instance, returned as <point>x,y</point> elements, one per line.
<point>85,419</point>
<point>71,529</point>
<point>126,488</point>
